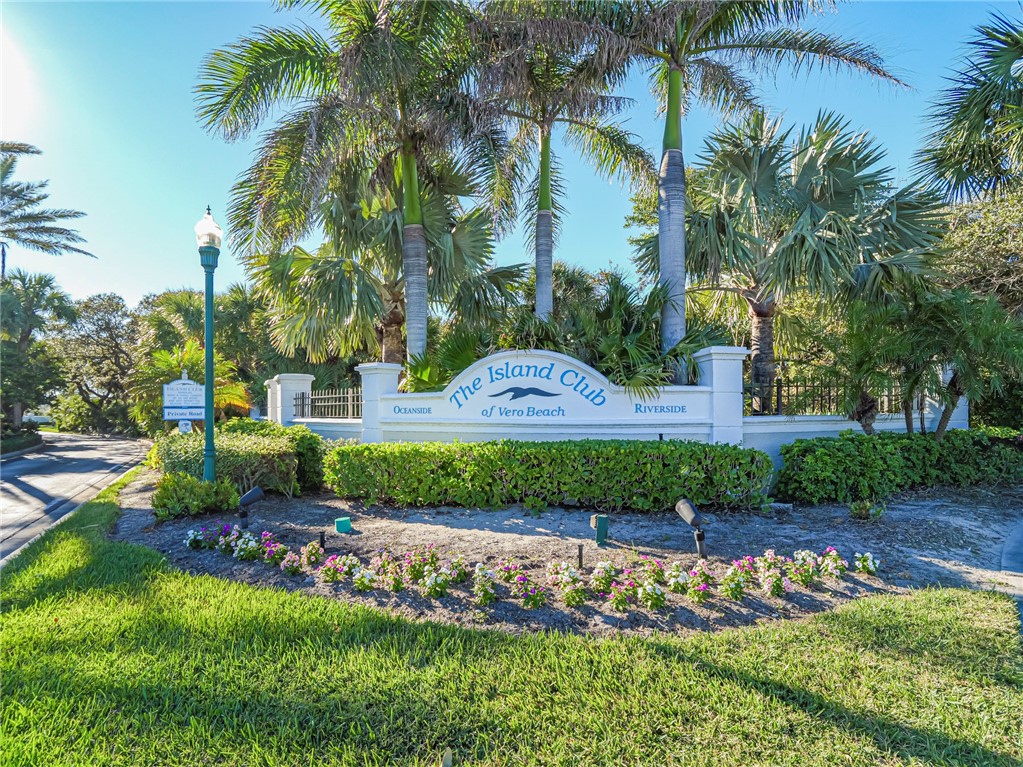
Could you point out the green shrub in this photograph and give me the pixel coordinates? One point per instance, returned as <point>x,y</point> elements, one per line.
<point>309,447</point>
<point>856,467</point>
<point>246,460</point>
<point>72,413</point>
<point>12,442</point>
<point>866,511</point>
<point>605,475</point>
<point>181,495</point>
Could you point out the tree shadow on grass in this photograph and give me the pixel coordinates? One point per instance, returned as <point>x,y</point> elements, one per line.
<point>972,645</point>
<point>907,741</point>
<point>313,677</point>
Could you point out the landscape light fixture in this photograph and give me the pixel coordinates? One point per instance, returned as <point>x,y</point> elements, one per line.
<point>255,494</point>
<point>691,516</point>
<point>208,236</point>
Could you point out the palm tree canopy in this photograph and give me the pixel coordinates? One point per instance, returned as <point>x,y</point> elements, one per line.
<point>976,146</point>
<point>22,221</point>
<point>713,44</point>
<point>28,303</point>
<point>771,213</point>
<point>332,300</point>
<point>389,77</point>
<point>540,87</point>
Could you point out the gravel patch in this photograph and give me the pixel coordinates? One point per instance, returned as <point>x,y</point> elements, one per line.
<point>937,537</point>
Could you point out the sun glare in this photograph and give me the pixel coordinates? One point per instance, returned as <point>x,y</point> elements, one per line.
<point>19,96</point>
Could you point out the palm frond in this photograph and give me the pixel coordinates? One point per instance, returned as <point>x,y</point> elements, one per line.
<point>613,152</point>
<point>800,49</point>
<point>975,146</point>
<point>241,83</point>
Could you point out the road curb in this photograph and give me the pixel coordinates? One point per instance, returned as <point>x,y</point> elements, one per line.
<point>127,466</point>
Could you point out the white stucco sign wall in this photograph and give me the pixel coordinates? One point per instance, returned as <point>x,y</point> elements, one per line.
<point>540,395</point>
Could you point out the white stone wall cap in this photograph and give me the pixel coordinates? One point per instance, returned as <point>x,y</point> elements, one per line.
<point>380,367</point>
<point>722,351</point>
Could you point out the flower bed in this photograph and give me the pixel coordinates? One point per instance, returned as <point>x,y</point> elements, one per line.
<point>641,584</point>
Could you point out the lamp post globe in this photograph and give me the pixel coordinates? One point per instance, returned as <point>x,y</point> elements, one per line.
<point>208,236</point>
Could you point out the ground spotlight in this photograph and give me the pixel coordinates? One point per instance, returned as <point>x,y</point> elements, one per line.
<point>691,516</point>
<point>255,494</point>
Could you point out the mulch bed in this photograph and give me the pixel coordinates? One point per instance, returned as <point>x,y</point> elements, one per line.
<point>946,537</point>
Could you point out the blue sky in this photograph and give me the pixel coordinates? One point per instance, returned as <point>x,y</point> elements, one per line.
<point>105,90</point>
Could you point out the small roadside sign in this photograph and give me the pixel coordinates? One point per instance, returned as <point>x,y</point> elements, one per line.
<point>184,400</point>
<point>185,427</point>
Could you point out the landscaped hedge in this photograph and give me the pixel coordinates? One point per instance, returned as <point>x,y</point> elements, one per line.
<point>604,475</point>
<point>309,447</point>
<point>853,467</point>
<point>245,459</point>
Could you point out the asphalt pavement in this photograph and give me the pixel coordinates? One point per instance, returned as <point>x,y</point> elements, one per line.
<point>39,488</point>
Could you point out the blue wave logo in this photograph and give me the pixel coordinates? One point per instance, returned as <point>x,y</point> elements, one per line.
<point>518,392</point>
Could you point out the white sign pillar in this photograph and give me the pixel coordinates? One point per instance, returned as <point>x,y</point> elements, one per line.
<point>721,369</point>
<point>288,386</point>
<point>378,379</point>
<point>273,400</point>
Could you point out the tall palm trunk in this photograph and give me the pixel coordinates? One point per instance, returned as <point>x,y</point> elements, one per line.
<point>671,223</point>
<point>544,231</point>
<point>865,412</point>
<point>955,392</point>
<point>413,257</point>
<point>392,349</point>
<point>762,365</point>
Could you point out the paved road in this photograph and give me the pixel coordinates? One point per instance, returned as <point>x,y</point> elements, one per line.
<point>38,488</point>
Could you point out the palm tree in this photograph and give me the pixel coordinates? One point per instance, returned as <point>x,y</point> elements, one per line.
<point>976,147</point>
<point>170,318</point>
<point>347,295</point>
<point>28,304</point>
<point>975,339</point>
<point>772,215</point>
<point>22,221</point>
<point>700,51</point>
<point>539,87</point>
<point>385,92</point>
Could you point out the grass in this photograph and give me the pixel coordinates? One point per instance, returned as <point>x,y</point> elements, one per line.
<point>108,656</point>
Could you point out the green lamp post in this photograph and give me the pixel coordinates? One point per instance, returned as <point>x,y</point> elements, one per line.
<point>208,236</point>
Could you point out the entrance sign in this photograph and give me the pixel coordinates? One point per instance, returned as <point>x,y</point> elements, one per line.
<point>184,400</point>
<point>541,387</point>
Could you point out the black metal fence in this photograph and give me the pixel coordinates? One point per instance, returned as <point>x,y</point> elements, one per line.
<point>800,396</point>
<point>330,403</point>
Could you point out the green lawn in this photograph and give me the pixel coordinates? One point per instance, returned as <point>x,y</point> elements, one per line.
<point>109,657</point>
